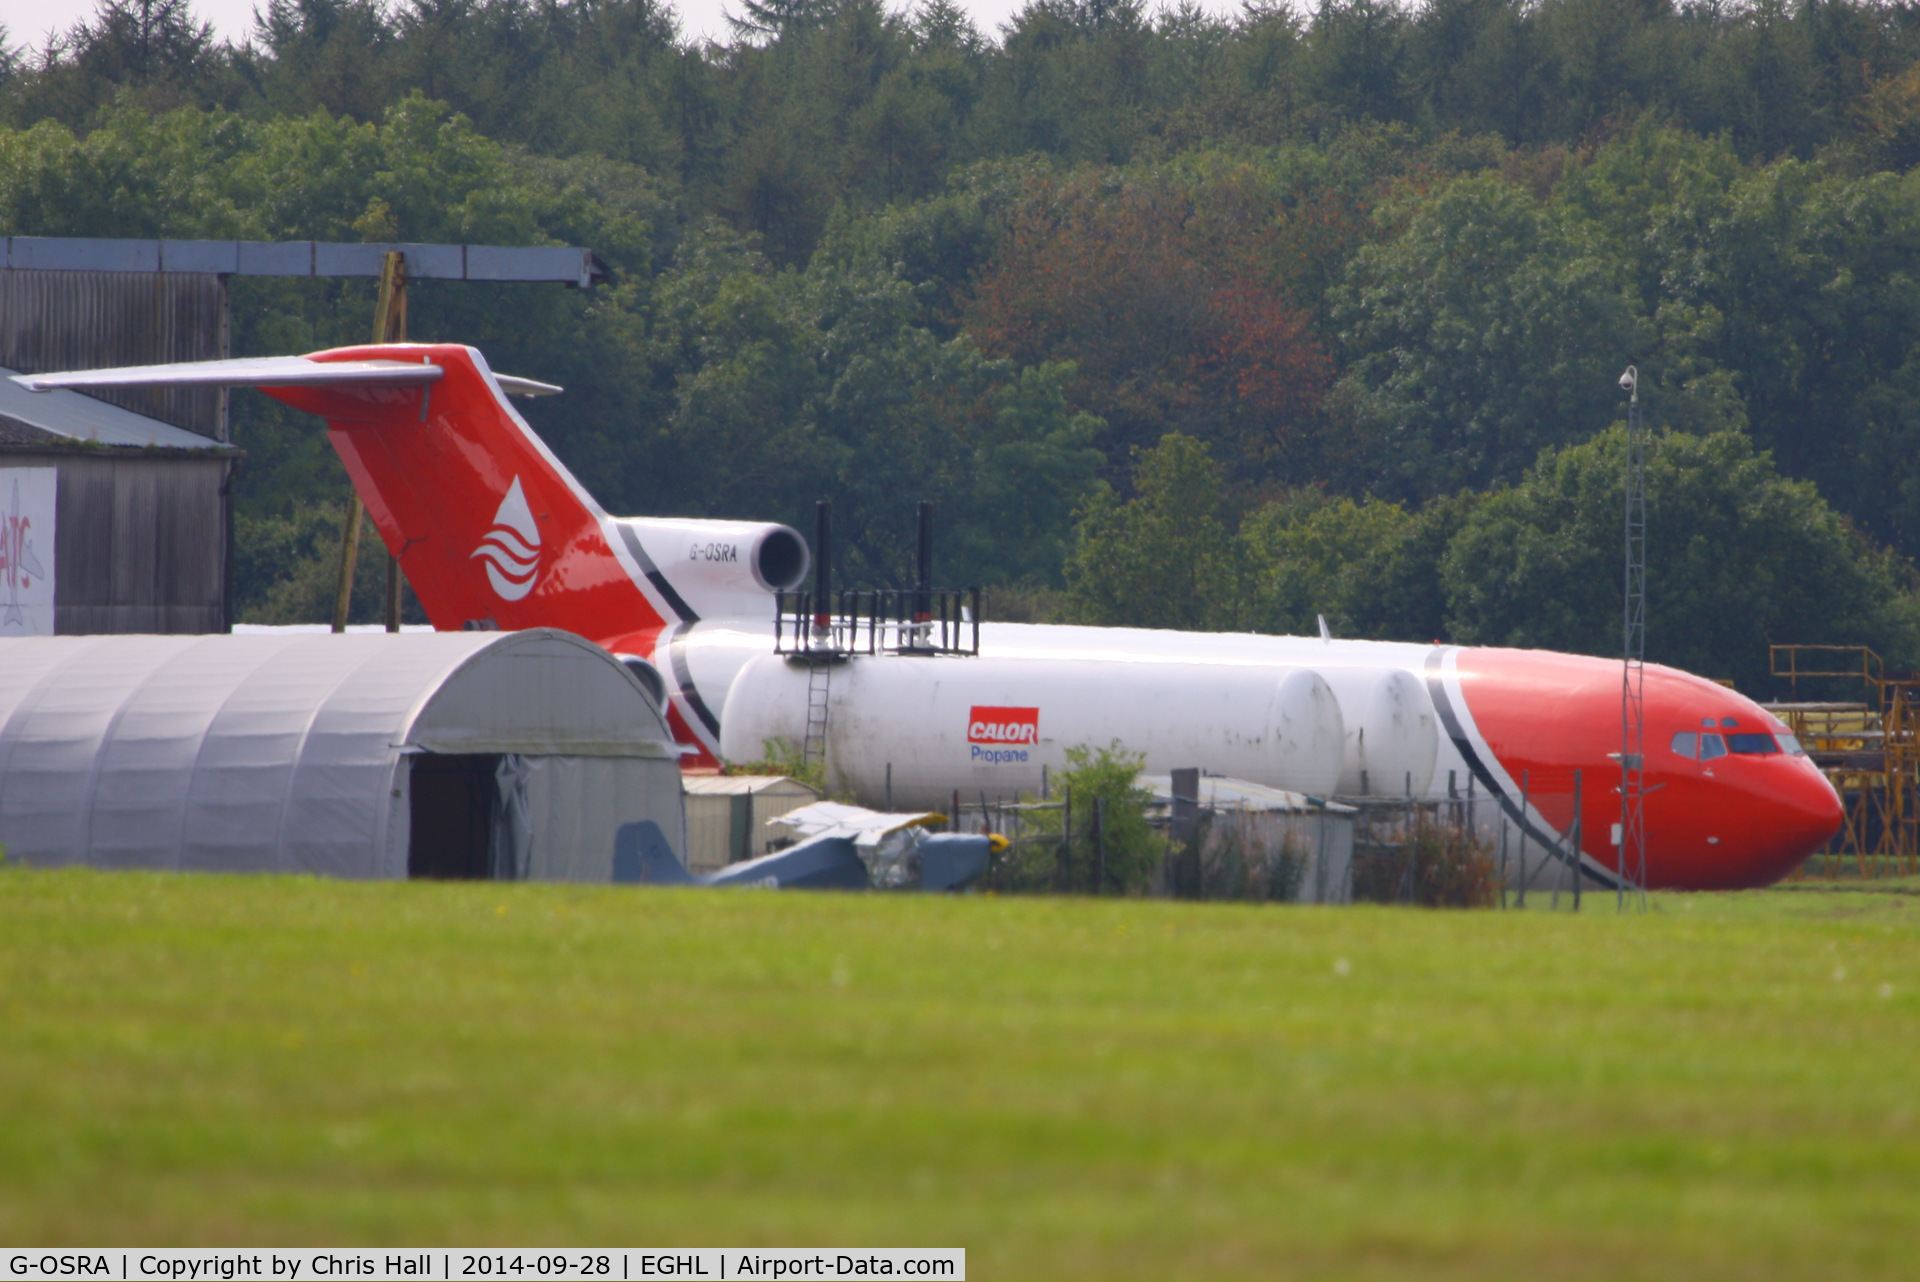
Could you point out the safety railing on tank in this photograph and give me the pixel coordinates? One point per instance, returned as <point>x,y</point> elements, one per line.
<point>911,621</point>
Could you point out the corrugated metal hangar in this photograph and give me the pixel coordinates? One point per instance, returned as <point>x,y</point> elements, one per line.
<point>484,755</point>
<point>126,514</point>
<point>513,755</point>
<point>115,507</point>
<point>730,817</point>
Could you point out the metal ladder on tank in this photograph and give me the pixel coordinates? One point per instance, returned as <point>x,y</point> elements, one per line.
<point>813,750</point>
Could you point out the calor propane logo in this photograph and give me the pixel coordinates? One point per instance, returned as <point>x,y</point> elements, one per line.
<point>1001,736</point>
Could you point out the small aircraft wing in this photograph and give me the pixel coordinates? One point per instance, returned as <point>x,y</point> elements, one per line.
<point>865,827</point>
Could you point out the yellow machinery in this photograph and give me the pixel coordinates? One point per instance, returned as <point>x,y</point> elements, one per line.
<point>1870,750</point>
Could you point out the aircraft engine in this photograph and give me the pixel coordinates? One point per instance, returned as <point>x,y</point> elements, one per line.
<point>724,569</point>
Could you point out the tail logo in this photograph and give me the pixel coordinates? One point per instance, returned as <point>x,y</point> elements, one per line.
<point>511,548</point>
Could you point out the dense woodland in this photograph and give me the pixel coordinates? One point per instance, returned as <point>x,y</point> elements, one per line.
<point>1180,320</point>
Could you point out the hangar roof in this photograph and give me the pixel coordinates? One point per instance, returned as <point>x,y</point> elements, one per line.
<point>744,785</point>
<point>565,264</point>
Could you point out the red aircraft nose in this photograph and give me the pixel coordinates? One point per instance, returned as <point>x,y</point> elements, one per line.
<point>1738,813</point>
<point>1729,820</point>
<point>1798,816</point>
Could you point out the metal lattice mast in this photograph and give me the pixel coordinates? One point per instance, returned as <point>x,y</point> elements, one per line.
<point>1633,651</point>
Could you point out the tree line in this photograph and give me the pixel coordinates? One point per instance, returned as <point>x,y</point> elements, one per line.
<point>812,104</point>
<point>1739,556</point>
<point>1282,315</point>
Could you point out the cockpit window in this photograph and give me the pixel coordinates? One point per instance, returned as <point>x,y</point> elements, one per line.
<point>1708,722</point>
<point>1711,746</point>
<point>1686,743</point>
<point>1790,744</point>
<point>1753,745</point>
<point>1729,723</point>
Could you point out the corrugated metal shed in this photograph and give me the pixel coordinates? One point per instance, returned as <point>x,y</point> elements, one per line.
<point>54,320</point>
<point>143,543</point>
<point>138,529</point>
<point>86,303</point>
<point>142,540</point>
<point>1264,822</point>
<point>730,817</point>
<point>515,755</point>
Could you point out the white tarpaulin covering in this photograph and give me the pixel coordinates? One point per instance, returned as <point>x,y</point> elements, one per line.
<point>291,753</point>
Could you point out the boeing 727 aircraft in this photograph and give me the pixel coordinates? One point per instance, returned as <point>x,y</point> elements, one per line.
<point>492,531</point>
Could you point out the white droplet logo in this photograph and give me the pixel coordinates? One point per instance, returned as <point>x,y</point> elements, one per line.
<point>511,548</point>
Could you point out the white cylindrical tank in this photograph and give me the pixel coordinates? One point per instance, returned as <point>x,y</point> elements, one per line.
<point>989,725</point>
<point>1392,740</point>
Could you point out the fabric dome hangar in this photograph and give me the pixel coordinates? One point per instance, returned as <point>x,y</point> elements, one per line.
<point>510,755</point>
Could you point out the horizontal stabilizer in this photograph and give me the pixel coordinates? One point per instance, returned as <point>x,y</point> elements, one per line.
<point>641,855</point>
<point>526,386</point>
<point>250,371</point>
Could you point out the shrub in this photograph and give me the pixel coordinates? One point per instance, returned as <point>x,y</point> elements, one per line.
<point>1123,861</point>
<point>1234,863</point>
<point>1438,865</point>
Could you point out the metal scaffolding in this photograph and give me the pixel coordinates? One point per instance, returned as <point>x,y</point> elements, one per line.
<point>1869,750</point>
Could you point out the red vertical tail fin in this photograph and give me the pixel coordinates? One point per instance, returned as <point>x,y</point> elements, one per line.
<point>491,529</point>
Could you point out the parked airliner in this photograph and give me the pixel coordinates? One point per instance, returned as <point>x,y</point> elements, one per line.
<point>492,531</point>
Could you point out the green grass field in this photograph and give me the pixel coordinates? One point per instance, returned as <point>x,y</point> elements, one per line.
<point>1726,1087</point>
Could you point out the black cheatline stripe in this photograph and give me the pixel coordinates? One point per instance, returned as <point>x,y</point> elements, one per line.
<point>683,677</point>
<point>674,600</point>
<point>1552,841</point>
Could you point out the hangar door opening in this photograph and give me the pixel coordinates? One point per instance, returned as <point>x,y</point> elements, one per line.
<point>452,800</point>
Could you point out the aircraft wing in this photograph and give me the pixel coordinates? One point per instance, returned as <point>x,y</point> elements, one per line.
<point>865,827</point>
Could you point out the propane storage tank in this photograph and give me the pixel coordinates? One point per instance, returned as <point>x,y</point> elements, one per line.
<point>990,725</point>
<point>1308,736</point>
<point>1392,740</point>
